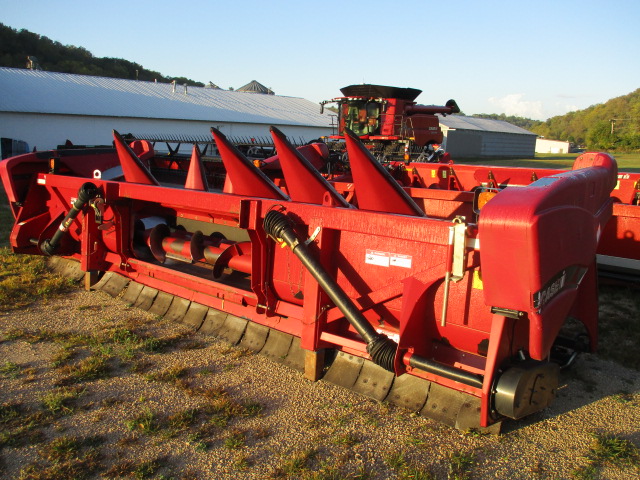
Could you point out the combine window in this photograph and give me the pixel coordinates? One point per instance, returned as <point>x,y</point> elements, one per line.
<point>361,116</point>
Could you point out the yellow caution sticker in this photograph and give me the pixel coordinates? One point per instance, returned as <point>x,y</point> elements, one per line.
<point>477,280</point>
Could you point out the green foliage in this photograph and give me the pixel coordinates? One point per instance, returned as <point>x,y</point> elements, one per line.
<point>521,122</point>
<point>396,460</point>
<point>17,45</point>
<point>64,457</point>
<point>347,440</point>
<point>141,470</point>
<point>87,369</point>
<point>296,462</point>
<point>599,136</point>
<point>613,125</point>
<point>609,449</point>
<point>9,370</point>
<point>22,276</point>
<point>60,401</point>
<point>236,440</point>
<point>146,423</point>
<point>614,450</point>
<point>460,465</point>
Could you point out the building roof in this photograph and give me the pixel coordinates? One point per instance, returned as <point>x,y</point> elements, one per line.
<point>460,122</point>
<point>30,91</point>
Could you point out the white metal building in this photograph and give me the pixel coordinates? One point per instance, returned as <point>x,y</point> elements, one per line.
<point>44,109</point>
<point>473,137</point>
<point>544,145</point>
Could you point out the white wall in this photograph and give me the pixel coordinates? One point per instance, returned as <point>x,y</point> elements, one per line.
<point>46,131</point>
<point>544,145</point>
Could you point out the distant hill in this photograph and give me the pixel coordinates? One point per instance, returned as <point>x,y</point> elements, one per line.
<point>612,126</point>
<point>17,45</point>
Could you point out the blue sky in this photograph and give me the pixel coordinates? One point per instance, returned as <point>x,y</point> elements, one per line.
<point>535,59</point>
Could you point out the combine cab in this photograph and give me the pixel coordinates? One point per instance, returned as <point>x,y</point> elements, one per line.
<point>406,295</point>
<point>389,122</point>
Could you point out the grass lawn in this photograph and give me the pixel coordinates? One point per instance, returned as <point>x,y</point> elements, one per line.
<point>628,162</point>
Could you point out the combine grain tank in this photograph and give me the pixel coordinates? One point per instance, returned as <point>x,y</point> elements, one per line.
<point>404,295</point>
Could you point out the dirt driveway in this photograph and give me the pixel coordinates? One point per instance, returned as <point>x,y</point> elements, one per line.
<point>92,388</point>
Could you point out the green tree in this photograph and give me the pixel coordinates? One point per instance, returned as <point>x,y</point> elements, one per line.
<point>599,137</point>
<point>17,45</point>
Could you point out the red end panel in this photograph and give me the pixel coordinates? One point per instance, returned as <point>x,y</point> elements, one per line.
<point>196,179</point>
<point>244,176</point>
<point>17,175</point>
<point>537,242</point>
<point>132,167</point>
<point>316,153</point>
<point>621,237</point>
<point>143,149</point>
<point>304,183</point>
<point>375,188</point>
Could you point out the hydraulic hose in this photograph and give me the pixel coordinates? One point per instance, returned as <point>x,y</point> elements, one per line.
<point>87,192</point>
<point>380,347</point>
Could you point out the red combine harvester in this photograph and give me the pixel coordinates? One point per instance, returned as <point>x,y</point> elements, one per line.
<point>389,122</point>
<point>403,294</point>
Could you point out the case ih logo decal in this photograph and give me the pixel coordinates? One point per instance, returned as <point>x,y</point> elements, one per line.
<point>568,278</point>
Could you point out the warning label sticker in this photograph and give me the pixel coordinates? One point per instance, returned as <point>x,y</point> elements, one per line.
<point>374,257</point>
<point>398,260</point>
<point>386,259</point>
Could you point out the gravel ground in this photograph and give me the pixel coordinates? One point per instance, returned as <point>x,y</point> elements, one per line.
<point>191,406</point>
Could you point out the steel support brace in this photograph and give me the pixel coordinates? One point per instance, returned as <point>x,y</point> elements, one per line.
<point>313,365</point>
<point>498,351</point>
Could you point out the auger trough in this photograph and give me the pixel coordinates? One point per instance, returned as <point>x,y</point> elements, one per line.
<point>412,295</point>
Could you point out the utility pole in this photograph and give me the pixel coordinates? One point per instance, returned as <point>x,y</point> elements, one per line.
<point>614,120</point>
